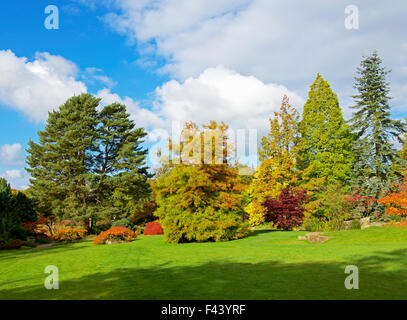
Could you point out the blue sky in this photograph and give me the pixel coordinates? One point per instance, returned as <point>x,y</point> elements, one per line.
<point>179,60</point>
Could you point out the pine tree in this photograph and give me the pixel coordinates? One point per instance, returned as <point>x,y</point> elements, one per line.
<point>327,138</point>
<point>374,153</point>
<point>120,162</point>
<point>83,156</point>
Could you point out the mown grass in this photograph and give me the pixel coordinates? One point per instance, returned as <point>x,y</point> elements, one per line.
<point>265,265</point>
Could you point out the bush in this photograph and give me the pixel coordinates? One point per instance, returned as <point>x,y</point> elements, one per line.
<point>115,234</point>
<point>286,211</point>
<point>200,203</point>
<point>29,244</point>
<point>69,234</point>
<point>121,223</point>
<point>355,224</point>
<point>36,228</point>
<point>333,210</point>
<point>153,228</point>
<point>12,244</point>
<point>43,239</point>
<point>396,202</point>
<point>101,226</point>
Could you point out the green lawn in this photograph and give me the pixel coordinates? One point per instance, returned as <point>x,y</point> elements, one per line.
<point>265,265</point>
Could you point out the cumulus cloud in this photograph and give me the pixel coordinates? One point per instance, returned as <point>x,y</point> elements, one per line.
<point>97,74</point>
<point>141,116</point>
<point>18,179</point>
<point>13,174</point>
<point>277,41</point>
<point>243,102</point>
<point>11,155</point>
<point>36,87</point>
<point>221,94</point>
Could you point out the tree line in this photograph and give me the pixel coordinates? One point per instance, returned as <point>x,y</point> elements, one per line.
<point>316,170</point>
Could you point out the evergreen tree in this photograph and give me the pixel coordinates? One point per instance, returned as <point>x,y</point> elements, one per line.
<point>120,166</point>
<point>375,156</point>
<point>327,138</point>
<point>404,150</point>
<point>15,207</point>
<point>83,156</point>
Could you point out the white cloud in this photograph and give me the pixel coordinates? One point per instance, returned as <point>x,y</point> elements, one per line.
<point>37,87</point>
<point>277,41</point>
<point>18,179</point>
<point>11,155</point>
<point>13,174</point>
<point>223,95</point>
<point>141,116</point>
<point>98,75</point>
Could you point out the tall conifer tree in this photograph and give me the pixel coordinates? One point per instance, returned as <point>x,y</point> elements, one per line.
<point>375,155</point>
<point>327,138</point>
<point>83,156</point>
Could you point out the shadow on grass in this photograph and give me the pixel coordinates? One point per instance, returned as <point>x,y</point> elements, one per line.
<point>55,248</point>
<point>382,276</point>
<point>255,233</point>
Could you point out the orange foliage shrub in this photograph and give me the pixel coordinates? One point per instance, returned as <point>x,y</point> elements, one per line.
<point>397,224</point>
<point>69,234</point>
<point>116,234</point>
<point>36,228</point>
<point>396,202</point>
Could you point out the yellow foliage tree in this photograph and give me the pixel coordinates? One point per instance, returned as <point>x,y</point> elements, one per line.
<point>277,169</point>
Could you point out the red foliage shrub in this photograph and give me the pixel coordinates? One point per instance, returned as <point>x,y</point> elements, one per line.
<point>361,205</point>
<point>153,228</point>
<point>37,228</point>
<point>14,244</point>
<point>115,234</point>
<point>286,211</point>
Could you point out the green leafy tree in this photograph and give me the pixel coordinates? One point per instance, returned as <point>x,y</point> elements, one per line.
<point>83,156</point>
<point>375,156</point>
<point>327,138</point>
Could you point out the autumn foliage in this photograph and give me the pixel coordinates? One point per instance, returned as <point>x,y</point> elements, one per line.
<point>201,203</point>
<point>36,228</point>
<point>120,234</point>
<point>69,234</point>
<point>153,228</point>
<point>396,202</point>
<point>286,211</point>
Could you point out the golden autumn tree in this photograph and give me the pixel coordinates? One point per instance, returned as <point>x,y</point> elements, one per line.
<point>200,196</point>
<point>277,169</point>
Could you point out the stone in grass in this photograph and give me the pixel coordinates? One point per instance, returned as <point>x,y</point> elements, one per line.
<point>314,237</point>
<point>115,241</point>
